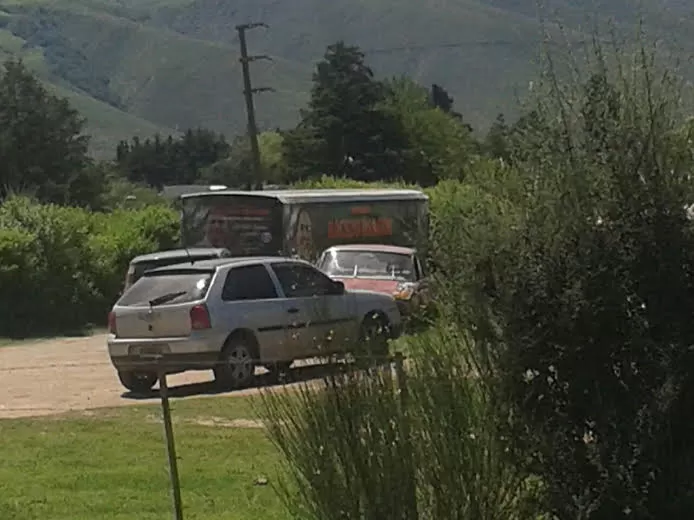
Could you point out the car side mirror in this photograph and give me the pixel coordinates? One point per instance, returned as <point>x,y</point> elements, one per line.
<point>338,287</point>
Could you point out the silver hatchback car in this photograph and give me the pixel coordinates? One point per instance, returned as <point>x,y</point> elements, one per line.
<point>233,314</point>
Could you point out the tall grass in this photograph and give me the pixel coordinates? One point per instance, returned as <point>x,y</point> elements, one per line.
<point>465,470</point>
<point>419,440</point>
<point>343,440</point>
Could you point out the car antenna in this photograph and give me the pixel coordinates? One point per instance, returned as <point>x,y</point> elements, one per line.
<point>183,238</point>
<point>190,257</point>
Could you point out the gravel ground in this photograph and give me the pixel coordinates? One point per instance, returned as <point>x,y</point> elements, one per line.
<point>56,376</point>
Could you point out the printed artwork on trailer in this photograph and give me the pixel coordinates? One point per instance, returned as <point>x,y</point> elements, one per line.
<point>302,243</point>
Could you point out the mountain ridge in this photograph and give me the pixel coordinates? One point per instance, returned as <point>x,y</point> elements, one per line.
<point>153,66</point>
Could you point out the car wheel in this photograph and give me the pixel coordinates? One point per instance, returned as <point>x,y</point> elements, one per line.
<point>138,382</point>
<point>375,331</point>
<point>237,363</point>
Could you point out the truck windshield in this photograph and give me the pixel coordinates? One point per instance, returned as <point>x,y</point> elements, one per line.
<point>245,225</point>
<point>368,264</point>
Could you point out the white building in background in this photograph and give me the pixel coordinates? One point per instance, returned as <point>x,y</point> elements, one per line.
<point>176,190</point>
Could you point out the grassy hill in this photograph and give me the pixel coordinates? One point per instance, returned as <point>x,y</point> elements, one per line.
<point>146,66</point>
<point>105,123</point>
<point>137,72</point>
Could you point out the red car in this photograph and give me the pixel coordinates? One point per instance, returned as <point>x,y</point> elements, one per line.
<point>382,268</point>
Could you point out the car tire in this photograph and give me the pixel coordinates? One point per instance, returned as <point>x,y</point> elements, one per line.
<point>138,382</point>
<point>374,334</point>
<point>236,367</point>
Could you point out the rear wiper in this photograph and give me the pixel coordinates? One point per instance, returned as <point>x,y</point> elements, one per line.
<point>165,298</point>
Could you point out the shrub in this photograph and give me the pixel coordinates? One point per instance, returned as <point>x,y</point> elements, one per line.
<point>590,324</point>
<point>472,232</point>
<point>328,182</point>
<point>61,268</point>
<point>58,285</point>
<point>122,235</point>
<point>119,193</point>
<point>18,265</point>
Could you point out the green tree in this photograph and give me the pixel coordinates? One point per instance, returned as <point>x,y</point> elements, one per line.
<point>158,162</point>
<point>527,138</point>
<point>441,99</point>
<point>344,131</point>
<point>437,146</point>
<point>42,148</point>
<point>236,170</point>
<point>601,114</point>
<point>104,185</point>
<point>496,142</point>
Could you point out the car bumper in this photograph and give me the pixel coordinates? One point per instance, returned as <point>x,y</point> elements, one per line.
<point>168,354</point>
<point>404,306</point>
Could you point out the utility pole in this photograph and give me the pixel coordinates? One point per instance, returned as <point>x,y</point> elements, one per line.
<point>248,92</point>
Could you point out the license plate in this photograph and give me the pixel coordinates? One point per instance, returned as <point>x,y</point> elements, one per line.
<point>146,350</point>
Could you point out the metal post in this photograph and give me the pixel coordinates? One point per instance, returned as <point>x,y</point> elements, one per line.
<point>170,445</point>
<point>411,491</point>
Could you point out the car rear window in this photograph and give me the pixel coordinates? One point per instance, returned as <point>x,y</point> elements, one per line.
<point>142,267</point>
<point>192,286</point>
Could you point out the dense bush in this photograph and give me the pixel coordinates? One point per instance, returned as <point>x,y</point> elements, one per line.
<point>122,235</point>
<point>61,268</point>
<point>584,305</point>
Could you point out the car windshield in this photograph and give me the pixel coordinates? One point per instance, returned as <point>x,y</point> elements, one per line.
<point>369,264</point>
<point>167,288</point>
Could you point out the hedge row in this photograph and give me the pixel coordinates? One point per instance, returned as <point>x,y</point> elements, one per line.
<point>61,268</point>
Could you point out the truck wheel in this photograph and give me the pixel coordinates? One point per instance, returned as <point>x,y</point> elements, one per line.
<point>236,367</point>
<point>138,382</point>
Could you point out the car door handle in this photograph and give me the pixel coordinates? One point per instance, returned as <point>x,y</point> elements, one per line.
<point>293,310</point>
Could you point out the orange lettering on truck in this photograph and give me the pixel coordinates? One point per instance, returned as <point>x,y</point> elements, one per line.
<point>359,228</point>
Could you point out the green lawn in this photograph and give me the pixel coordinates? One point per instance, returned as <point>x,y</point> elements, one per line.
<point>111,464</point>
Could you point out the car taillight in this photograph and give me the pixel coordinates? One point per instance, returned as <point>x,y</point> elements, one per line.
<point>112,322</point>
<point>200,318</point>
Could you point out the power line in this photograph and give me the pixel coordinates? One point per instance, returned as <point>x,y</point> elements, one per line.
<point>460,45</point>
<point>439,46</point>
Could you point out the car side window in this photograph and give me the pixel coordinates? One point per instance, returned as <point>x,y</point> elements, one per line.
<point>250,282</point>
<point>302,281</point>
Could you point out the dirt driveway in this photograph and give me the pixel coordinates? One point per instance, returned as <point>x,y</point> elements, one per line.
<point>56,376</point>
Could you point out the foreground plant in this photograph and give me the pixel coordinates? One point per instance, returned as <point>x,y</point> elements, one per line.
<point>420,441</point>
<point>588,323</point>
